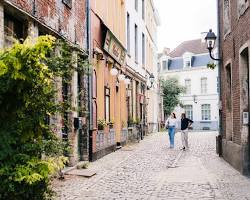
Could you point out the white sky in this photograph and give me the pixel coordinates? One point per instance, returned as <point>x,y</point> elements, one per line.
<point>184,20</point>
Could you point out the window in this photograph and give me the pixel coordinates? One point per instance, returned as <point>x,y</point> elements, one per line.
<point>158,67</point>
<point>107,104</point>
<point>203,85</point>
<point>189,111</point>
<point>128,33</point>
<point>229,87</point>
<point>143,49</point>
<point>188,86</point>
<point>136,43</point>
<point>164,65</point>
<point>187,63</point>
<point>136,5</point>
<point>226,20</point>
<point>205,112</point>
<point>12,29</point>
<point>242,6</point>
<point>68,3</point>
<point>143,9</point>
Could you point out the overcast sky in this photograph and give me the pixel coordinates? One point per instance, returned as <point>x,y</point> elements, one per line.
<point>184,20</point>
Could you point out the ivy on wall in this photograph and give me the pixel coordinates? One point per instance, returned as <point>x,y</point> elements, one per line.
<point>30,152</point>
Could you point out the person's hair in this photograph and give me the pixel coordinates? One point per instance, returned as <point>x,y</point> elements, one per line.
<point>174,115</point>
<point>183,115</point>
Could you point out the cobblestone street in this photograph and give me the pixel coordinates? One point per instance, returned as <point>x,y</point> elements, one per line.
<point>150,170</point>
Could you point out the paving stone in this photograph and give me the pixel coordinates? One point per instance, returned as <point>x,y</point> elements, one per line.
<point>143,171</point>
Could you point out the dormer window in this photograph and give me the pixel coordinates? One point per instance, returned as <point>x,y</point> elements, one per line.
<point>187,63</point>
<point>187,60</point>
<point>165,65</point>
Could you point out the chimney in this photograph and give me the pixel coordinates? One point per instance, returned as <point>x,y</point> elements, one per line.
<point>203,35</point>
<point>166,50</point>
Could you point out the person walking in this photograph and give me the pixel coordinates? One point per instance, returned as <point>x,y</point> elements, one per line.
<point>185,124</point>
<point>171,124</point>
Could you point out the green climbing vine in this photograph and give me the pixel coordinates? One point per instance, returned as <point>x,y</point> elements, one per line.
<point>30,152</point>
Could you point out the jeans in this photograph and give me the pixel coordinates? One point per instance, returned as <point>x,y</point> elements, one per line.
<point>171,132</point>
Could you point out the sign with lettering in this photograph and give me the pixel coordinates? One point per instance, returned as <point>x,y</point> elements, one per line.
<point>114,48</point>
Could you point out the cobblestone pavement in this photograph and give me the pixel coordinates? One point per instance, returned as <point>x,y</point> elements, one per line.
<point>150,170</point>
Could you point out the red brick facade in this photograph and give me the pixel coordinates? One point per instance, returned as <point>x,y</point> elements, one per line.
<point>232,44</point>
<point>55,14</point>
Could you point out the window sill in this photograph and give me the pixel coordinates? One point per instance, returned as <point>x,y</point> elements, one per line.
<point>206,121</point>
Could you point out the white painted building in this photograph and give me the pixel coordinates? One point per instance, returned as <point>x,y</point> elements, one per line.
<point>188,63</point>
<point>141,26</point>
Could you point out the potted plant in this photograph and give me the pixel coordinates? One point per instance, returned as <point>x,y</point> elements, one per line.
<point>130,121</point>
<point>101,124</point>
<point>111,123</point>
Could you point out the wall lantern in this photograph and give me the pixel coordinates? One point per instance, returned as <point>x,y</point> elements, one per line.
<point>127,81</point>
<point>151,80</point>
<point>195,98</point>
<point>210,40</point>
<point>113,71</point>
<point>121,77</point>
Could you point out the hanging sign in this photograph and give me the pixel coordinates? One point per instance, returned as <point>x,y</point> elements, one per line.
<point>114,48</point>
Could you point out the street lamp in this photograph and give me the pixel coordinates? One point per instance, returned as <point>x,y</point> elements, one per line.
<point>151,80</point>
<point>113,71</point>
<point>210,40</point>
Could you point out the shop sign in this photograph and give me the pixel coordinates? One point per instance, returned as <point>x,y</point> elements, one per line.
<point>114,48</point>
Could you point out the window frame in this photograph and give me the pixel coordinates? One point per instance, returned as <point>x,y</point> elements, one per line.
<point>204,86</point>
<point>68,3</point>
<point>136,43</point>
<point>186,86</point>
<point>128,33</point>
<point>188,111</point>
<point>107,103</point>
<point>206,112</point>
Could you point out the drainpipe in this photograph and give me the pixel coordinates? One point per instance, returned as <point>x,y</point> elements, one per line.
<point>90,108</point>
<point>220,64</point>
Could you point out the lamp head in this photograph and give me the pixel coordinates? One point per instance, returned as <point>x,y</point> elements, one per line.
<point>210,39</point>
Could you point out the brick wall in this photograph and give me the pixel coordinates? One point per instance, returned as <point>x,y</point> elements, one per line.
<point>231,44</point>
<point>69,22</point>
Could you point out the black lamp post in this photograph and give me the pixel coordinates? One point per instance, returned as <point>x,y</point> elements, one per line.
<point>151,80</point>
<point>210,40</point>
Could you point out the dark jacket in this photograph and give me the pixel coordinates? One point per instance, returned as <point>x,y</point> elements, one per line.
<point>185,122</point>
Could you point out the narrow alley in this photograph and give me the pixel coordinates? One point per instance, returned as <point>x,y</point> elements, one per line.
<point>150,170</point>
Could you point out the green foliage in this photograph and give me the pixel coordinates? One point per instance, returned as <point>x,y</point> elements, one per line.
<point>101,124</point>
<point>211,65</point>
<point>30,153</point>
<point>171,91</point>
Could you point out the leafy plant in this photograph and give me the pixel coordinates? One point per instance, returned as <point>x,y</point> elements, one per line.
<point>130,121</point>
<point>101,124</point>
<point>111,123</point>
<point>211,65</point>
<point>30,152</point>
<point>171,91</point>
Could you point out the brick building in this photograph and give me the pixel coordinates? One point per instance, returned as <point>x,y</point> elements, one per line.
<point>234,39</point>
<point>65,19</point>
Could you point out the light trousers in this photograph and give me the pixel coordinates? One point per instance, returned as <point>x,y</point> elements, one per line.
<point>184,138</point>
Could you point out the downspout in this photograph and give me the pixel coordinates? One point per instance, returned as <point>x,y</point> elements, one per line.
<point>90,71</point>
<point>219,139</point>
